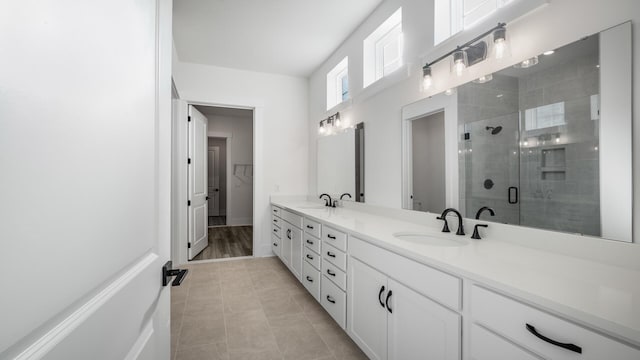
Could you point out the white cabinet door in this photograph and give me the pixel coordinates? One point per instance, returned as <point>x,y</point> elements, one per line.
<point>420,328</point>
<point>285,237</point>
<point>367,324</point>
<point>197,183</point>
<point>296,252</point>
<point>85,159</point>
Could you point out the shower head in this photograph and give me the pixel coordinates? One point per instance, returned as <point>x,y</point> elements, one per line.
<point>494,130</point>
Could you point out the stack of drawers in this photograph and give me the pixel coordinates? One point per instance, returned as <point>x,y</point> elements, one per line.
<point>333,295</point>
<point>312,260</point>
<point>276,230</point>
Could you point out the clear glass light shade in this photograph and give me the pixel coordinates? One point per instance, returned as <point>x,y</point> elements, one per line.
<point>500,45</point>
<point>483,79</point>
<point>427,80</point>
<point>321,130</point>
<point>459,62</point>
<point>527,63</point>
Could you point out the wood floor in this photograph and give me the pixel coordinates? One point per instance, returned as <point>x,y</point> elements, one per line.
<point>252,309</point>
<point>228,242</point>
<point>217,220</point>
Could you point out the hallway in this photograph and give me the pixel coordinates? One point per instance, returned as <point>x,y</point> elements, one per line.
<point>252,309</point>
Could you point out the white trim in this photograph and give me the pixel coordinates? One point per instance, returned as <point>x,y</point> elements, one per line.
<point>219,134</point>
<point>420,109</point>
<point>141,343</point>
<point>228,170</point>
<point>180,242</point>
<point>64,328</point>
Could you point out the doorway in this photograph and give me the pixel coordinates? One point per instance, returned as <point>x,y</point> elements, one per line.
<point>428,163</point>
<point>229,182</point>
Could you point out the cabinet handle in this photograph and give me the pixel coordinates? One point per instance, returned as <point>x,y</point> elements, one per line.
<point>275,244</point>
<point>275,220</point>
<point>309,242</point>
<point>309,257</point>
<point>380,296</point>
<point>289,233</point>
<point>275,211</point>
<point>570,347</point>
<point>309,279</point>
<point>331,254</point>
<point>330,299</point>
<point>331,272</point>
<point>275,230</point>
<point>309,227</point>
<point>331,237</point>
<point>387,301</point>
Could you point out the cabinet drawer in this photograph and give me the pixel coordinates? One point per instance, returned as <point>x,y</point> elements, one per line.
<point>509,318</point>
<point>293,219</point>
<point>334,256</point>
<point>276,221</point>
<point>311,257</point>
<point>334,301</point>
<point>311,280</point>
<point>275,230</point>
<point>275,210</point>
<point>486,345</point>
<point>275,244</point>
<point>334,237</point>
<point>312,227</point>
<point>334,274</point>
<point>312,243</point>
<point>432,283</point>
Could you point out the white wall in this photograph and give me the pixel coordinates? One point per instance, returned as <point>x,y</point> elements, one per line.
<point>240,148</point>
<point>221,143</point>
<point>555,24</point>
<point>281,116</point>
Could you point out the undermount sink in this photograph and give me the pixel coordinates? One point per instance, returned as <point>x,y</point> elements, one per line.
<point>312,207</point>
<point>430,239</point>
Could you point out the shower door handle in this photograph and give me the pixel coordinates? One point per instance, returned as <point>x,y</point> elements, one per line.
<point>512,195</point>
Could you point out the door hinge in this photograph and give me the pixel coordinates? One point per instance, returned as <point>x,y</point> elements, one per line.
<point>189,161</point>
<point>188,202</point>
<point>189,118</point>
<point>188,245</point>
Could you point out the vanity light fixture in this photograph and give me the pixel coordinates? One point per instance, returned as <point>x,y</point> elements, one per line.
<point>330,123</point>
<point>469,53</point>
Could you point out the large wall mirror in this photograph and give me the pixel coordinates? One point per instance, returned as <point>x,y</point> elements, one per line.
<point>341,163</point>
<point>545,143</point>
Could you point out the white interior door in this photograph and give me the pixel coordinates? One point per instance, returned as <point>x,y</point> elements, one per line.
<point>197,182</point>
<point>214,180</point>
<point>85,180</point>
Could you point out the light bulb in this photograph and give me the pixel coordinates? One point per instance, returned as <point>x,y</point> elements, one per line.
<point>484,79</point>
<point>321,130</point>
<point>450,91</point>
<point>427,81</point>
<point>459,67</point>
<point>498,52</point>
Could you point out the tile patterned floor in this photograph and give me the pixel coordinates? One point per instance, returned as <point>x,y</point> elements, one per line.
<point>252,309</point>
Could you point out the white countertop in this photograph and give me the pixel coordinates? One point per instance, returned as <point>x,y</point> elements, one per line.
<point>601,296</point>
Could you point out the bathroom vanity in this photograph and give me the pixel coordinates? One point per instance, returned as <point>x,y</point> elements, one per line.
<point>404,290</point>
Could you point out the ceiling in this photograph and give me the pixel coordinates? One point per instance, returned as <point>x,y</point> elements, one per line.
<point>290,37</point>
<point>223,111</point>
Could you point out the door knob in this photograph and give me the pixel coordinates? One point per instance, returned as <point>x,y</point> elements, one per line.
<point>168,272</point>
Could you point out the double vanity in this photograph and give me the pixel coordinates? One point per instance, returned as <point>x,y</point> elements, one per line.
<point>402,289</point>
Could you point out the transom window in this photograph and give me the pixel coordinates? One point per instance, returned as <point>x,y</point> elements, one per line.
<point>338,83</point>
<point>383,49</point>
<point>454,16</point>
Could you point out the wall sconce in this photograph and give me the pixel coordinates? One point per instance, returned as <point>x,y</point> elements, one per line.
<point>470,53</point>
<point>330,123</point>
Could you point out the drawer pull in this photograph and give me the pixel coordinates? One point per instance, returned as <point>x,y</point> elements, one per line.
<point>275,211</point>
<point>309,227</point>
<point>309,242</point>
<point>330,299</point>
<point>331,254</point>
<point>289,234</point>
<point>275,244</point>
<point>380,296</point>
<point>571,347</point>
<point>275,220</point>
<point>309,257</point>
<point>387,301</point>
<point>309,279</point>
<point>331,237</point>
<point>275,230</point>
<point>331,272</point>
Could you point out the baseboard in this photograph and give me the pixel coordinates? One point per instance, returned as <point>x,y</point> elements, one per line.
<point>240,221</point>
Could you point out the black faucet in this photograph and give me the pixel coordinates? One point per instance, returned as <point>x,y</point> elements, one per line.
<point>345,194</point>
<point>328,202</point>
<point>446,226</point>
<point>476,234</point>
<point>490,210</point>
